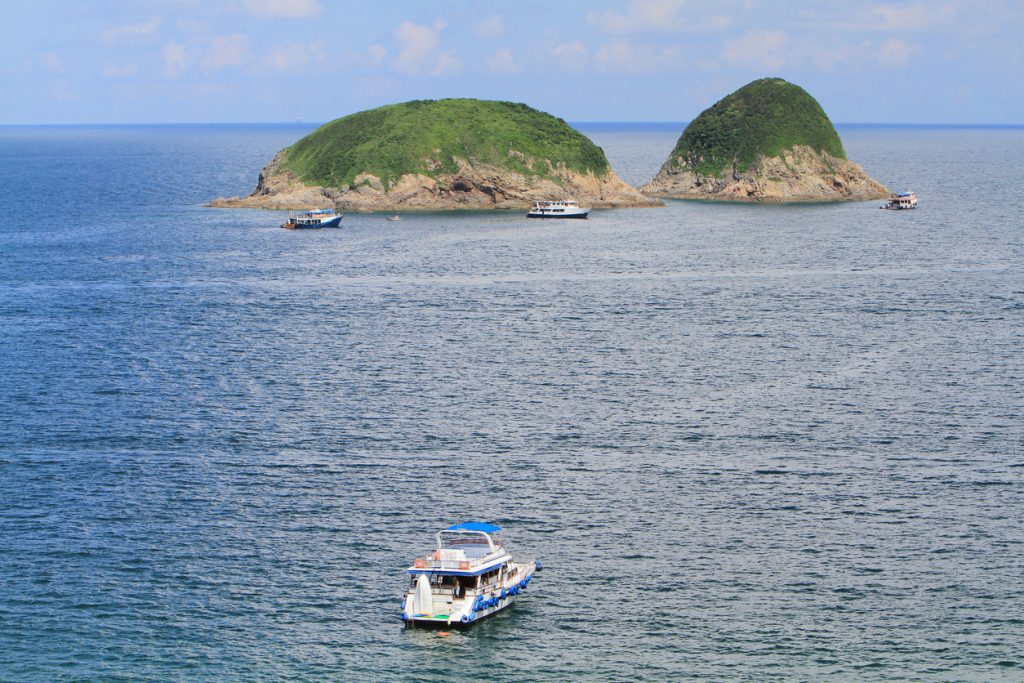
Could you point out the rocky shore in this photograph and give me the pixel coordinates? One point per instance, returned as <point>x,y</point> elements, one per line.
<point>473,186</point>
<point>798,174</point>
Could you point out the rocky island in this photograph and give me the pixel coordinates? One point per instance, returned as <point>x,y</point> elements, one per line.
<point>439,154</point>
<point>769,141</point>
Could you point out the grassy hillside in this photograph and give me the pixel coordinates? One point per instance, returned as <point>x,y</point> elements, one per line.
<point>423,136</point>
<point>763,117</point>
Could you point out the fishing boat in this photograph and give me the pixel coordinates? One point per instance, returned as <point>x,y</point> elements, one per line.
<point>901,200</point>
<point>563,208</point>
<point>469,577</point>
<point>320,218</point>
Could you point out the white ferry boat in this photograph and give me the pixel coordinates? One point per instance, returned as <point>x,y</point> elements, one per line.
<point>565,208</point>
<point>901,200</point>
<point>321,218</point>
<point>467,578</point>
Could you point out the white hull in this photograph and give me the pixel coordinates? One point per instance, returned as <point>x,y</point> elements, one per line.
<point>477,605</point>
<point>903,201</point>
<point>562,208</point>
<point>579,213</point>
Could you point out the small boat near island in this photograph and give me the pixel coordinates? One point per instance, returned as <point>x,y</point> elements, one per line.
<point>469,577</point>
<point>394,217</point>
<point>320,218</point>
<point>900,201</point>
<point>562,208</point>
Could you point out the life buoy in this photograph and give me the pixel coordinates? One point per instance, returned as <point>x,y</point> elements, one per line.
<point>420,564</point>
<point>464,565</point>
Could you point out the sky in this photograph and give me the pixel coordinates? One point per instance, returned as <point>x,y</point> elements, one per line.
<point>193,61</point>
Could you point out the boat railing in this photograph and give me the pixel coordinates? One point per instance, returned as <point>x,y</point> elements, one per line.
<point>311,215</point>
<point>453,564</point>
<point>456,561</point>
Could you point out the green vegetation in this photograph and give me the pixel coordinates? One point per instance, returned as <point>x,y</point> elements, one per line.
<point>424,136</point>
<point>764,117</point>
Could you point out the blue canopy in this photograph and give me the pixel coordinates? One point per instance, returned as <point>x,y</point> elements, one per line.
<point>475,526</point>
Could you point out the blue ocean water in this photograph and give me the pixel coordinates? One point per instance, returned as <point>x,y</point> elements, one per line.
<point>747,442</point>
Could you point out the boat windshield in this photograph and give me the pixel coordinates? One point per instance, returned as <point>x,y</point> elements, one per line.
<point>473,543</point>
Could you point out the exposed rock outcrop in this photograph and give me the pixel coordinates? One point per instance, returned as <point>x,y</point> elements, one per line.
<point>473,186</point>
<point>798,174</point>
<point>440,154</point>
<point>769,141</point>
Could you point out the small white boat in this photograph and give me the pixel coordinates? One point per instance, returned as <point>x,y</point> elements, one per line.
<point>321,218</point>
<point>564,208</point>
<point>901,200</point>
<point>469,577</point>
<point>395,217</point>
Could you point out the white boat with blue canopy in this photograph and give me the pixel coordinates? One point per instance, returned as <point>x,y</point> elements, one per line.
<point>901,200</point>
<point>320,218</point>
<point>469,577</point>
<point>559,208</point>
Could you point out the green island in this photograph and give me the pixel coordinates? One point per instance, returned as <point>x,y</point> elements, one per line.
<point>769,141</point>
<point>426,136</point>
<point>762,118</point>
<point>446,154</point>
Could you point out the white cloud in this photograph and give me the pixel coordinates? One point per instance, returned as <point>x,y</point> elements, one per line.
<point>131,32</point>
<point>717,22</point>
<point>285,57</point>
<point>895,53</point>
<point>572,56</point>
<point>119,70</point>
<point>447,63</point>
<point>377,53</point>
<point>625,57</point>
<point>904,18</point>
<point>491,27</point>
<point>758,48</point>
<point>416,44</point>
<point>51,62</point>
<point>642,15</point>
<point>176,59</point>
<point>225,51</point>
<point>21,70</point>
<point>502,62</point>
<point>193,26</point>
<point>284,9</point>
<point>61,91</point>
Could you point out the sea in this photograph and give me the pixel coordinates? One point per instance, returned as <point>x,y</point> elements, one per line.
<point>747,443</point>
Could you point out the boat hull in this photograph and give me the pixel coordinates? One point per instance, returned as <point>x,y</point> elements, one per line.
<point>562,216</point>
<point>444,623</point>
<point>487,604</point>
<point>333,223</point>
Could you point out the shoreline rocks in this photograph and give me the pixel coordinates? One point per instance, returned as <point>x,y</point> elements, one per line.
<point>436,155</point>
<point>769,141</point>
<point>473,186</point>
<point>798,174</point>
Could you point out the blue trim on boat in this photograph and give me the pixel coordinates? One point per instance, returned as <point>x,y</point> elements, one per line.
<point>475,526</point>
<point>458,572</point>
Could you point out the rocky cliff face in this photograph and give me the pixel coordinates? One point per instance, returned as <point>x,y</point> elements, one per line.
<point>473,186</point>
<point>798,174</point>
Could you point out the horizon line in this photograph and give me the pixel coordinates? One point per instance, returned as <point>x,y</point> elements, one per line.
<point>139,124</point>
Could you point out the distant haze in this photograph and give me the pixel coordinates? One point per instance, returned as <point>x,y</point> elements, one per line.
<point>625,60</point>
